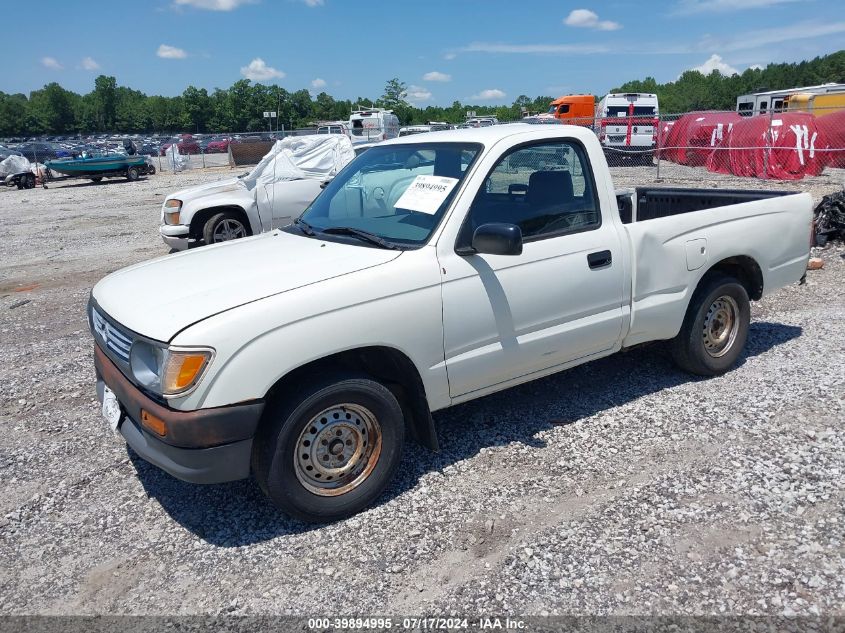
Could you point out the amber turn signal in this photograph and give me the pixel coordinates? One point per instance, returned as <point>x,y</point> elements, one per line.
<point>153,423</point>
<point>182,370</point>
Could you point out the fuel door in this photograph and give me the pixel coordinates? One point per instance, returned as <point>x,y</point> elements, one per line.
<point>696,253</point>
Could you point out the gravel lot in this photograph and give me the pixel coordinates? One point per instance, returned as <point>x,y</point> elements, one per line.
<point>619,487</point>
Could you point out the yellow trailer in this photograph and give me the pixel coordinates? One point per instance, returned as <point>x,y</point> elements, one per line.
<point>818,104</point>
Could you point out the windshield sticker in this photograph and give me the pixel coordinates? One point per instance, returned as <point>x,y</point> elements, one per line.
<point>426,194</point>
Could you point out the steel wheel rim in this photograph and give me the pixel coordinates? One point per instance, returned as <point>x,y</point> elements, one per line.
<point>228,230</point>
<point>337,450</point>
<point>721,325</point>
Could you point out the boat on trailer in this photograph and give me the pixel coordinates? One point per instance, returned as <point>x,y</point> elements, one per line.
<point>104,166</point>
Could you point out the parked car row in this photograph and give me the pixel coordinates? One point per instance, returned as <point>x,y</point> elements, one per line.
<point>50,148</point>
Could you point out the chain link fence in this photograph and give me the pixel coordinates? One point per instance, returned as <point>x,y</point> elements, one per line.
<point>215,150</point>
<point>773,145</point>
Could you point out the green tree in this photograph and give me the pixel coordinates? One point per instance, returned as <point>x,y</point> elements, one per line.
<point>196,109</point>
<point>394,95</point>
<point>105,101</point>
<point>13,113</point>
<point>52,108</point>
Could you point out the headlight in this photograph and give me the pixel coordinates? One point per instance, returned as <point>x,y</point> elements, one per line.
<point>172,209</point>
<point>166,371</point>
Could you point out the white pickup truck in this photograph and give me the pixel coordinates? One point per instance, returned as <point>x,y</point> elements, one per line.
<point>277,190</point>
<point>434,269</point>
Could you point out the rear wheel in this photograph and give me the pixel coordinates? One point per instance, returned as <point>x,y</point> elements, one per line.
<point>96,178</point>
<point>715,327</point>
<point>133,174</point>
<point>223,227</point>
<point>28,181</point>
<point>328,449</point>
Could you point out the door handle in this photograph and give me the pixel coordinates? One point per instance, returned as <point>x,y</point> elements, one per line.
<point>599,260</point>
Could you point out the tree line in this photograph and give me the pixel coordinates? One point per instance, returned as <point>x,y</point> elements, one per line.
<point>239,108</point>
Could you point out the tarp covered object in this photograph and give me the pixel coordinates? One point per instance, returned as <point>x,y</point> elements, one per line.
<point>14,165</point>
<point>175,160</point>
<point>832,129</point>
<point>317,156</point>
<point>691,138</point>
<point>779,146</point>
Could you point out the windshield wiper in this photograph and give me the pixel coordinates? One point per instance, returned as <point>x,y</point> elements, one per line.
<point>304,227</point>
<point>361,234</point>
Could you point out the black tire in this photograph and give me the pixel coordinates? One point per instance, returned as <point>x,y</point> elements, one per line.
<point>96,178</point>
<point>133,174</point>
<point>694,349</point>
<point>151,169</point>
<point>292,419</point>
<point>28,181</point>
<point>218,226</point>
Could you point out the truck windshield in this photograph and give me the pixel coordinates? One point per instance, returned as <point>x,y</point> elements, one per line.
<point>396,192</point>
<point>622,111</point>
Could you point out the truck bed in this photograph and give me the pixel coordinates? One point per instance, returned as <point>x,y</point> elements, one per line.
<point>649,203</point>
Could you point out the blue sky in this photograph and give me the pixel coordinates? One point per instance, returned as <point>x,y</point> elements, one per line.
<point>476,51</point>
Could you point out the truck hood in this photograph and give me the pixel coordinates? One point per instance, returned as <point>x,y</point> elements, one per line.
<point>161,297</point>
<point>208,189</point>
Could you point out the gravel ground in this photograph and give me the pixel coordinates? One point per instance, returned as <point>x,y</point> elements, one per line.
<point>619,487</point>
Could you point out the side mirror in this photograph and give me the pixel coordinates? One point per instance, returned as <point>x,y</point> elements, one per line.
<point>497,239</point>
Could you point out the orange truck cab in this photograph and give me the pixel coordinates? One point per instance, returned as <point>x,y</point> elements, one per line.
<point>574,109</point>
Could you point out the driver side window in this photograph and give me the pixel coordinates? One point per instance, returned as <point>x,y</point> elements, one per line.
<point>544,189</point>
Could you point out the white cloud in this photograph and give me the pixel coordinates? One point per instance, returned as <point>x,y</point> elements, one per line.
<point>755,67</point>
<point>88,63</point>
<point>170,52</point>
<point>489,94</point>
<point>715,62</point>
<point>757,39</point>
<point>686,7</point>
<point>314,3</point>
<point>258,70</point>
<point>51,62</point>
<point>318,83</point>
<point>449,56</point>
<point>436,76</point>
<point>586,19</point>
<point>417,94</point>
<point>214,5</point>
<point>551,49</point>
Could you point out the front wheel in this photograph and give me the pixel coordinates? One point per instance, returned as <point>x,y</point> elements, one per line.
<point>715,327</point>
<point>133,173</point>
<point>328,449</point>
<point>222,227</point>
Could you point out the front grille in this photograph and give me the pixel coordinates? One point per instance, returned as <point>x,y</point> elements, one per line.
<point>113,338</point>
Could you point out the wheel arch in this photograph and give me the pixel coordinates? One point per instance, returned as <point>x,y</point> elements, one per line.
<point>743,268</point>
<point>389,366</point>
<point>199,218</point>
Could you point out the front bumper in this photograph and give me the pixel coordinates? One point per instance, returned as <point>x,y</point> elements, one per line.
<point>206,446</point>
<point>176,236</point>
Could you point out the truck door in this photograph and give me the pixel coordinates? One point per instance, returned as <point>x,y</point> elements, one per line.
<point>508,316</point>
<point>280,201</point>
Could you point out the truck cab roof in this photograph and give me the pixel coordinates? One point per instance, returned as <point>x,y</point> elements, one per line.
<point>491,134</point>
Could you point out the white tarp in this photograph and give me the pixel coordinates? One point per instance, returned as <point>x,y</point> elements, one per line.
<point>14,165</point>
<point>175,160</point>
<point>316,156</point>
